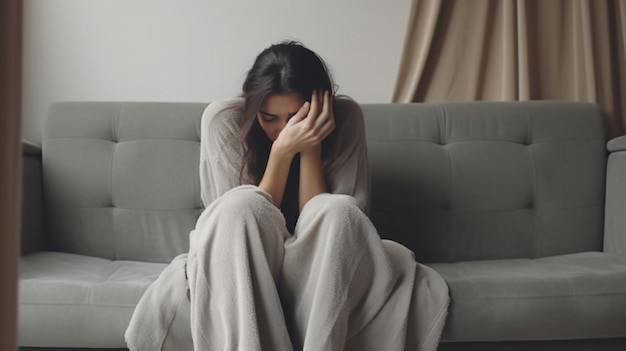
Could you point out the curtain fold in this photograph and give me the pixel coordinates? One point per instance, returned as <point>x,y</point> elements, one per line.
<point>10,167</point>
<point>458,50</point>
<point>421,30</point>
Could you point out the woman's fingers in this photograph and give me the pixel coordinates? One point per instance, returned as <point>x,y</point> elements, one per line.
<point>301,114</point>
<point>314,111</point>
<point>327,109</point>
<point>331,114</point>
<point>326,120</point>
<point>323,113</point>
<point>317,121</point>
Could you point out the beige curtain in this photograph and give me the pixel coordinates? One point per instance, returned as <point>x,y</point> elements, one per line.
<point>10,168</point>
<point>461,50</point>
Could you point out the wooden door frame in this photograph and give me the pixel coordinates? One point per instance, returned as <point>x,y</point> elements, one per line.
<point>10,167</point>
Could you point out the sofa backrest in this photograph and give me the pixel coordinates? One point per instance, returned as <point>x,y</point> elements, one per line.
<point>121,179</point>
<point>452,181</point>
<point>487,180</point>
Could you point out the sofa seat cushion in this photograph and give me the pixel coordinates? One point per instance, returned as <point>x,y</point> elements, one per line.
<point>68,300</point>
<point>575,296</point>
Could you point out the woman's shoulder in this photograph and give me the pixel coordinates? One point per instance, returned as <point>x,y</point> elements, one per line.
<point>348,113</point>
<point>221,119</point>
<point>349,132</point>
<point>346,106</point>
<point>223,111</point>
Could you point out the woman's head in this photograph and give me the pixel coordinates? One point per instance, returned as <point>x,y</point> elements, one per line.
<point>287,67</point>
<point>281,79</point>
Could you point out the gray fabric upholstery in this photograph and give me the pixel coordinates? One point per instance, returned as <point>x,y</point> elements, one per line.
<point>69,300</point>
<point>617,144</point>
<point>553,345</point>
<point>576,296</point>
<point>615,216</point>
<point>121,179</point>
<point>491,180</point>
<point>505,200</point>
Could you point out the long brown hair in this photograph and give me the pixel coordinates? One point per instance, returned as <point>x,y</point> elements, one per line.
<point>286,67</point>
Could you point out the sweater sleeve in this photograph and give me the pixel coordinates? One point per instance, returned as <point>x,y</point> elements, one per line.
<point>348,169</point>
<point>221,153</point>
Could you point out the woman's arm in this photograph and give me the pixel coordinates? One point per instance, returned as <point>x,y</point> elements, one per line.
<point>311,175</point>
<point>282,152</point>
<point>312,180</point>
<point>303,134</point>
<point>219,154</point>
<point>348,171</point>
<point>276,173</point>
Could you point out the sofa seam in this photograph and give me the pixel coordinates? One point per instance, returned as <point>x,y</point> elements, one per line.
<point>116,133</point>
<point>442,131</point>
<point>129,306</point>
<point>529,142</point>
<point>481,139</point>
<point>123,141</point>
<point>130,208</point>
<point>539,297</point>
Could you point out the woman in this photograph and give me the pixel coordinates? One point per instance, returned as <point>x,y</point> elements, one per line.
<point>284,256</point>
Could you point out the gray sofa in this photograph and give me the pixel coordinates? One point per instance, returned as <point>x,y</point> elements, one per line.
<point>519,207</point>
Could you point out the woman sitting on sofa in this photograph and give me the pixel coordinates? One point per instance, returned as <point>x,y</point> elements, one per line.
<point>284,256</point>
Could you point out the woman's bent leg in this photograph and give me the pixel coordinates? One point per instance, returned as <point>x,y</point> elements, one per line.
<point>235,258</point>
<point>336,274</point>
<point>388,330</point>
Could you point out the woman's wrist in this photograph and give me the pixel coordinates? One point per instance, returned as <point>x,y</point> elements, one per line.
<point>312,152</point>
<point>276,173</point>
<point>311,175</point>
<point>282,152</point>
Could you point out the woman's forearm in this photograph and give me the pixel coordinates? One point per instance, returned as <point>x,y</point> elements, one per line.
<point>311,175</point>
<point>276,172</point>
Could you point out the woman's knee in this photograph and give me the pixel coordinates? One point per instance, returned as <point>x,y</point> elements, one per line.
<point>242,211</point>
<point>243,200</point>
<point>333,205</point>
<point>335,219</point>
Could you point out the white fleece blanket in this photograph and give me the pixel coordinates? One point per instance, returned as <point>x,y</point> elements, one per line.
<point>332,285</point>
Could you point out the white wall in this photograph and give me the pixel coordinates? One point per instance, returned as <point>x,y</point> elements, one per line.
<point>197,50</point>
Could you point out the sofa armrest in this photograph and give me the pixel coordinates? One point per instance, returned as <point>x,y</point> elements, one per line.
<point>617,144</point>
<point>32,199</point>
<point>615,200</point>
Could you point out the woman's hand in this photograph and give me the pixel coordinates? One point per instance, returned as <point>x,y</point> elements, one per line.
<point>312,123</point>
<point>303,134</point>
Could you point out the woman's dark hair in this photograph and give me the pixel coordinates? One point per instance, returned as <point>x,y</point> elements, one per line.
<point>286,67</point>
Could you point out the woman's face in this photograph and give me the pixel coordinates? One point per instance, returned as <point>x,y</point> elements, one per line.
<point>276,110</point>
